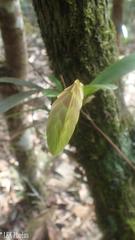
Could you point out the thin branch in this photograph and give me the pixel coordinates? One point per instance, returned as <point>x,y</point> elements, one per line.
<point>32,188</point>
<point>62,81</point>
<point>107,138</point>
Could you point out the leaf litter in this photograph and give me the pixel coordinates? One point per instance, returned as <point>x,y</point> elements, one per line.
<point>66,209</point>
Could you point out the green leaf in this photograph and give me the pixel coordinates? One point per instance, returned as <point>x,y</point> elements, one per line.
<point>114,72</point>
<point>19,82</point>
<point>12,101</point>
<point>92,88</point>
<point>56,82</point>
<point>52,93</point>
<point>64,116</point>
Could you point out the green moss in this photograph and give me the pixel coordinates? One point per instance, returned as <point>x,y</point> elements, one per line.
<point>131,223</point>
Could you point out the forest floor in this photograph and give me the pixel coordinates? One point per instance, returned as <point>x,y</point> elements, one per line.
<point>66,209</point>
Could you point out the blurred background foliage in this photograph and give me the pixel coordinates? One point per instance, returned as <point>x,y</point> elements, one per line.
<point>129,17</point>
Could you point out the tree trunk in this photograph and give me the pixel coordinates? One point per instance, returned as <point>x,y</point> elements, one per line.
<point>79,39</point>
<point>117,16</point>
<point>12,30</point>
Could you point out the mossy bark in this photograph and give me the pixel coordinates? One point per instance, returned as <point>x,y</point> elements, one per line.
<point>80,43</point>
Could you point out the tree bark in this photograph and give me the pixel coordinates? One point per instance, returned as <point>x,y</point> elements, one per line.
<point>117,16</point>
<point>12,30</point>
<point>80,43</point>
